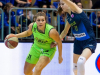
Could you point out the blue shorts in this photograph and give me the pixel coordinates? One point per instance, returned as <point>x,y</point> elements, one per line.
<point>79,46</point>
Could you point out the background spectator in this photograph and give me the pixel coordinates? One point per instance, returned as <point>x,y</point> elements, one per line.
<point>62,22</point>
<point>55,3</point>
<point>94,20</point>
<point>7,7</point>
<point>47,14</point>
<point>22,3</point>
<point>25,20</point>
<point>3,2</point>
<point>87,4</point>
<point>79,4</point>
<point>40,3</point>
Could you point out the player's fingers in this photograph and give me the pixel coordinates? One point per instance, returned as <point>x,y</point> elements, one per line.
<point>60,60</point>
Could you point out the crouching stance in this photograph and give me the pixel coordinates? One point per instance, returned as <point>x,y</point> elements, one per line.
<point>41,52</point>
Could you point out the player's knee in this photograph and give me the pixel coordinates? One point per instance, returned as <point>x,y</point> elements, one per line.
<point>74,66</point>
<point>81,61</point>
<point>38,68</point>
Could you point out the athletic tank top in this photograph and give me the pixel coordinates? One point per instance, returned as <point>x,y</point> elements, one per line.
<point>81,27</point>
<point>42,40</point>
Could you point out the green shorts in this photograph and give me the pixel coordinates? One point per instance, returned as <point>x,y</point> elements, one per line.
<point>36,52</point>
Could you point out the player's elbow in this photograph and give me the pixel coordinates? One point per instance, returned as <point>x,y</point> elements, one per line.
<point>58,41</point>
<point>28,34</point>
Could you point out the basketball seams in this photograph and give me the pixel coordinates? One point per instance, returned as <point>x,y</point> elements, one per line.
<point>9,45</point>
<point>14,44</point>
<point>15,39</point>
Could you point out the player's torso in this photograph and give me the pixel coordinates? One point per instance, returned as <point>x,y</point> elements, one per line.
<point>80,25</point>
<point>42,40</point>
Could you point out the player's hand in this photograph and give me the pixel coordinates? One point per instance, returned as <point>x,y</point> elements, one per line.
<point>13,28</point>
<point>60,59</point>
<point>53,44</point>
<point>1,4</point>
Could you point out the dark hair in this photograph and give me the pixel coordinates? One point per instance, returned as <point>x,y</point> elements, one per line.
<point>40,14</point>
<point>7,5</point>
<point>77,3</point>
<point>96,5</point>
<point>34,18</point>
<point>59,10</point>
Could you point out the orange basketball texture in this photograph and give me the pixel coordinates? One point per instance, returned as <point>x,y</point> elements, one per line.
<point>11,41</point>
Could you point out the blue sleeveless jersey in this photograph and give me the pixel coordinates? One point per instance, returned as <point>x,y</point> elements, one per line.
<point>81,27</point>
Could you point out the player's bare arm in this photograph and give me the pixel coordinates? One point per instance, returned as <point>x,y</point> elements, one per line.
<point>65,31</point>
<point>73,6</point>
<point>25,33</point>
<point>55,36</point>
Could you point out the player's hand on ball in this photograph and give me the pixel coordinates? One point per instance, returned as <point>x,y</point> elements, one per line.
<point>60,59</point>
<point>11,41</point>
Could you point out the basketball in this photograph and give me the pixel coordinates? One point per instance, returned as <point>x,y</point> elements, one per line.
<point>11,41</point>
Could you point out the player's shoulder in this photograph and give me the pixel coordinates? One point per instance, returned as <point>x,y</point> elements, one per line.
<point>53,31</point>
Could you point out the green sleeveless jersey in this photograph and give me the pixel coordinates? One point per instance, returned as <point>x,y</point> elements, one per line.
<point>42,40</point>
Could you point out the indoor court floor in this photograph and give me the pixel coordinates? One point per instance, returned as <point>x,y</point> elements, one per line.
<point>12,61</point>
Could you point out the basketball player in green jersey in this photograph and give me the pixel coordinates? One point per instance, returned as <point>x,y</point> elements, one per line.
<point>41,52</point>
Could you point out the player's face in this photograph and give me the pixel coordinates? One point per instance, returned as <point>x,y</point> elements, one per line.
<point>41,21</point>
<point>64,6</point>
<point>44,6</point>
<point>79,5</point>
<point>8,8</point>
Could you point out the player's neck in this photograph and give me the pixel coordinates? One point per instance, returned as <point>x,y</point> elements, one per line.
<point>42,30</point>
<point>69,11</point>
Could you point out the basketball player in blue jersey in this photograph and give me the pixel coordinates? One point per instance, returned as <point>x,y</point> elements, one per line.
<point>85,42</point>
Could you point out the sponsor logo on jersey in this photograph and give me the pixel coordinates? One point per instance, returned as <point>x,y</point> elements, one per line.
<point>73,23</point>
<point>80,35</point>
<point>41,40</point>
<point>97,63</point>
<point>90,45</point>
<point>72,15</point>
